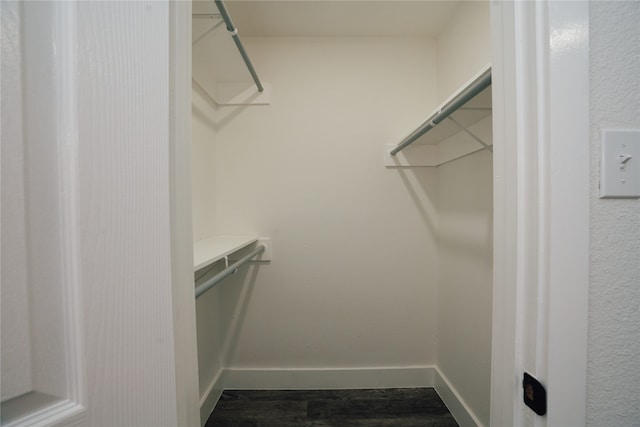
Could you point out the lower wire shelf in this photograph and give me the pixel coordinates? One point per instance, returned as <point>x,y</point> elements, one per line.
<point>232,269</point>
<point>213,249</point>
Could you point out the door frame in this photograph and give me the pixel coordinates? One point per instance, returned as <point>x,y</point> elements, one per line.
<point>541,208</point>
<point>184,309</point>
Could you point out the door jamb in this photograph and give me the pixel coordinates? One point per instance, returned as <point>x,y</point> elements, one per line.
<point>541,208</point>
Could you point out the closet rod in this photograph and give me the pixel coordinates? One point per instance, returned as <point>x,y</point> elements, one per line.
<point>232,269</point>
<point>234,34</point>
<point>467,94</point>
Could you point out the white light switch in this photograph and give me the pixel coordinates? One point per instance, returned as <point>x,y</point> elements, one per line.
<point>620,163</point>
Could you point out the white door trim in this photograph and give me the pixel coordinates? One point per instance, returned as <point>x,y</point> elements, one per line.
<point>568,228</point>
<point>541,188</point>
<point>503,352</point>
<point>184,308</point>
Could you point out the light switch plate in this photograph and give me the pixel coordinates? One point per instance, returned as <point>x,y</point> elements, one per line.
<point>620,163</point>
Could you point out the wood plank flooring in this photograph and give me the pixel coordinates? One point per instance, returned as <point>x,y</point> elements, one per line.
<point>331,408</point>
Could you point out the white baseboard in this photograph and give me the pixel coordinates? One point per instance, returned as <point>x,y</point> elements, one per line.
<point>454,402</point>
<point>211,396</point>
<point>347,378</point>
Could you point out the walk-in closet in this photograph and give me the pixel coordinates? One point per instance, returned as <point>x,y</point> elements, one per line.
<point>342,197</point>
<point>216,201</point>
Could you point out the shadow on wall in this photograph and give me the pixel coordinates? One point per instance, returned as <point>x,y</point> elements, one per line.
<point>234,303</point>
<point>457,207</point>
<point>215,116</point>
<point>423,193</point>
<point>465,204</point>
<point>220,317</point>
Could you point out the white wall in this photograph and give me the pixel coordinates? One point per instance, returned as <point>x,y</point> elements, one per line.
<point>203,210</point>
<point>217,309</point>
<point>211,333</point>
<point>613,377</point>
<point>353,278</point>
<point>465,247</point>
<point>464,46</point>
<point>202,166</point>
<point>34,273</point>
<point>465,236</point>
<point>209,321</point>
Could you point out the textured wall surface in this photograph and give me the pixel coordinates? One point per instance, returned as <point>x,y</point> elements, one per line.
<point>613,379</point>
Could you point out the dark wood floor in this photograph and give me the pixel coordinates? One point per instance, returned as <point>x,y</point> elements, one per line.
<point>331,408</point>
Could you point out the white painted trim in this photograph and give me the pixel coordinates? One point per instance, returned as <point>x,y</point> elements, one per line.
<point>567,287</point>
<point>322,378</point>
<point>541,188</point>
<point>210,397</point>
<point>64,413</point>
<point>454,401</point>
<point>67,93</point>
<point>183,293</point>
<point>504,386</point>
<point>70,409</point>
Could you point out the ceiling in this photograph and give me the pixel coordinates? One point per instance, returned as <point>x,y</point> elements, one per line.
<point>291,18</point>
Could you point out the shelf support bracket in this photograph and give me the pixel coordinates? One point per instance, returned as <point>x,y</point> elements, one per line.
<point>471,134</point>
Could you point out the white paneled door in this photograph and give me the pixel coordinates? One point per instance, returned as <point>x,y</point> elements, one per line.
<point>98,316</point>
<point>98,322</point>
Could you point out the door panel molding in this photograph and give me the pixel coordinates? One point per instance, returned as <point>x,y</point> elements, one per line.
<point>47,56</point>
